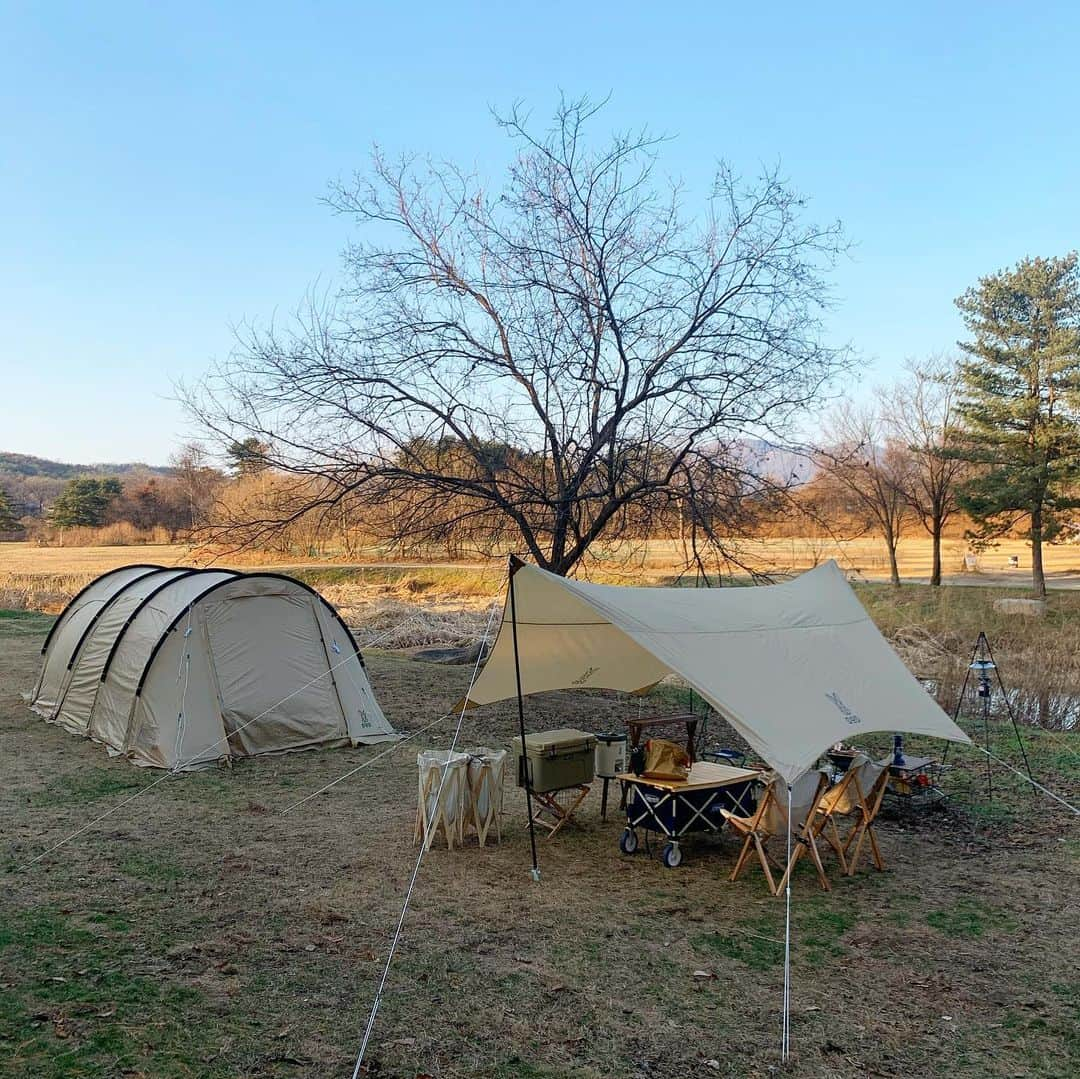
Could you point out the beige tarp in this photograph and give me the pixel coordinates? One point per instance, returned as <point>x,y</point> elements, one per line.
<point>178,668</point>
<point>794,667</point>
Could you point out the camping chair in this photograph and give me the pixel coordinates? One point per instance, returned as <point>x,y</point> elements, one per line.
<point>771,820</point>
<point>856,796</point>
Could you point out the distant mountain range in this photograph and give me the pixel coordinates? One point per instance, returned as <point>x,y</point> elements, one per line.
<point>26,466</point>
<point>32,484</point>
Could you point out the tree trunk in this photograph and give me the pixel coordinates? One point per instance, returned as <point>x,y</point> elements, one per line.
<point>894,569</point>
<point>1038,580</point>
<point>935,571</point>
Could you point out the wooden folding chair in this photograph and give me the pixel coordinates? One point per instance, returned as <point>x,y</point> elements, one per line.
<point>856,797</point>
<point>770,821</point>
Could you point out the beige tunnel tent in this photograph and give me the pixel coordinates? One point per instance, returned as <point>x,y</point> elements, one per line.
<point>178,668</point>
<point>793,667</point>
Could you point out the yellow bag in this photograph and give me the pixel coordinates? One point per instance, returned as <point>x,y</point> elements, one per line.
<point>665,760</point>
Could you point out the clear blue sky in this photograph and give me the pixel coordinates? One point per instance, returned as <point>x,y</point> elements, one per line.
<point>161,165</point>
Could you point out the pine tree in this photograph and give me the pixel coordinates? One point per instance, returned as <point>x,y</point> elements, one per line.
<point>1020,400</point>
<point>9,522</point>
<point>248,457</point>
<point>84,501</point>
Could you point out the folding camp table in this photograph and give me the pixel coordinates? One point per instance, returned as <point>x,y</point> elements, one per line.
<point>675,808</point>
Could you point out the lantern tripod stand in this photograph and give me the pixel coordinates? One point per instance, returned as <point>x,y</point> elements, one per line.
<point>982,665</point>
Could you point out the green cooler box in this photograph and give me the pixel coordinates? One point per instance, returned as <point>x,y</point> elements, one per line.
<point>556,759</point>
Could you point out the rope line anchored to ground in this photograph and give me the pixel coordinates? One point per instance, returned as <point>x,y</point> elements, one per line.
<point>180,765</point>
<point>360,767</point>
<point>420,857</point>
<point>1027,779</point>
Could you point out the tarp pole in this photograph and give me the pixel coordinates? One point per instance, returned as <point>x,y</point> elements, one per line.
<point>786,1036</point>
<point>524,760</point>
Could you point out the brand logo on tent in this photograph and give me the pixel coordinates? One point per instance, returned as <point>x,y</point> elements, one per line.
<point>846,712</point>
<point>585,677</point>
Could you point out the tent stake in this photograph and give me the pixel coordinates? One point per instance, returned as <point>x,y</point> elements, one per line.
<point>526,779</point>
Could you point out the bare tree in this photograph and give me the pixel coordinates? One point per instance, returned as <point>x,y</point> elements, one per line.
<point>536,361</point>
<point>197,481</point>
<point>874,469</point>
<point>920,412</point>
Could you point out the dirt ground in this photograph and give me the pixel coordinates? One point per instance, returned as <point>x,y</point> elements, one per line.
<point>198,931</point>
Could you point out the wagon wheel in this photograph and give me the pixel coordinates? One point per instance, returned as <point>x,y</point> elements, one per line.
<point>672,855</point>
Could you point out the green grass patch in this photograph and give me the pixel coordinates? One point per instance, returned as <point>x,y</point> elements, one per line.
<point>969,918</point>
<point>90,786</point>
<point>14,624</point>
<point>745,944</point>
<point>1056,1032</point>
<point>40,927</point>
<point>820,931</point>
<point>817,932</point>
<point>72,1005</point>
<point>115,923</point>
<point>154,870</point>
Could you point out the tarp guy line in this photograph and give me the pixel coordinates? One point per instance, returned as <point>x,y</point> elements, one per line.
<point>420,856</point>
<point>1027,779</point>
<point>181,764</point>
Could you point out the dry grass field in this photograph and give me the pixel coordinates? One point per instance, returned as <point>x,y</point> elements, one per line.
<point>198,931</point>
<point>42,577</point>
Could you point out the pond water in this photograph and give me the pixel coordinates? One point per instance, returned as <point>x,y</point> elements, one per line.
<point>1049,709</point>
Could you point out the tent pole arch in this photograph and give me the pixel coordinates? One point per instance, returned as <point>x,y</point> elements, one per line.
<point>106,606</point>
<point>148,566</point>
<point>143,603</point>
<point>108,603</point>
<point>221,584</point>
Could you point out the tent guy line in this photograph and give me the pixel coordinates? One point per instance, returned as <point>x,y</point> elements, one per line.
<point>177,768</point>
<point>360,767</point>
<point>423,848</point>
